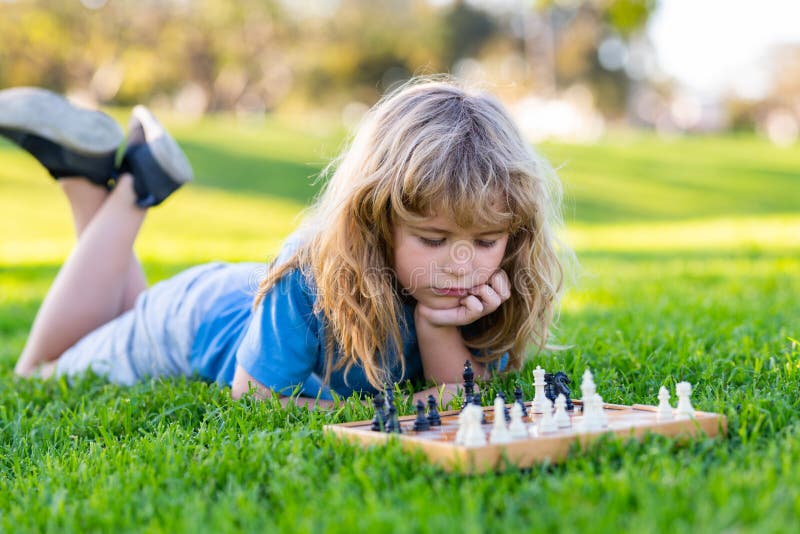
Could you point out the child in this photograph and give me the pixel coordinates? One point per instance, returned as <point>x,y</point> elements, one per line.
<point>432,243</point>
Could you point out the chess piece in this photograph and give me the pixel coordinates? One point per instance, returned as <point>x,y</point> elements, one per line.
<point>549,387</point>
<point>499,432</point>
<point>469,384</point>
<point>561,382</point>
<point>477,401</point>
<point>379,420</point>
<point>561,416</point>
<point>591,420</point>
<point>462,427</point>
<point>421,422</point>
<point>392,421</point>
<point>518,400</point>
<point>433,415</point>
<point>664,412</point>
<point>506,415</point>
<point>538,404</point>
<point>547,424</point>
<point>517,427</point>
<point>602,416</point>
<point>683,390</point>
<point>473,432</point>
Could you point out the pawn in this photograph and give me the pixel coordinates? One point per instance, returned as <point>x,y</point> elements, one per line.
<point>379,420</point>
<point>478,401</point>
<point>602,416</point>
<point>561,416</point>
<point>473,435</point>
<point>433,415</point>
<point>499,432</point>
<point>684,390</point>
<point>421,422</point>
<point>547,424</point>
<point>517,427</point>
<point>392,422</point>
<point>518,400</point>
<point>664,412</point>
<point>506,415</point>
<point>590,421</point>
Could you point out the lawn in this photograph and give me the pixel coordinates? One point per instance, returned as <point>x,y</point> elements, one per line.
<point>690,270</point>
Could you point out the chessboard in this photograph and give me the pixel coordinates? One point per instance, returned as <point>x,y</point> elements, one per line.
<point>438,443</point>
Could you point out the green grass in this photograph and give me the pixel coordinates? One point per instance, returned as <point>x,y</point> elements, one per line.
<point>690,253</point>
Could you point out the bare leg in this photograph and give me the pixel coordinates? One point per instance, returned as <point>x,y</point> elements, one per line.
<point>89,290</point>
<point>85,199</point>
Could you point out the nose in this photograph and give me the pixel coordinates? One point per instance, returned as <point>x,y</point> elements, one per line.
<point>460,258</point>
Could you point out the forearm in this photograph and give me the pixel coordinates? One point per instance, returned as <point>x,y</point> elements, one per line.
<point>244,383</point>
<point>443,353</point>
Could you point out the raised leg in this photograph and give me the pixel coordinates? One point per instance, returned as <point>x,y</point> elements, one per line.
<point>90,289</point>
<point>85,199</point>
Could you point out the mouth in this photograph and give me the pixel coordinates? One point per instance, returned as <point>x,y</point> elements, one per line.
<point>451,292</point>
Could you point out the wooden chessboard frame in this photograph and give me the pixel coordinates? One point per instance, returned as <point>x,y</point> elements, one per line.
<point>525,452</point>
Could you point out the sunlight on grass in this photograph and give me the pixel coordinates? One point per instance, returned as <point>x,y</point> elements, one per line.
<point>774,232</point>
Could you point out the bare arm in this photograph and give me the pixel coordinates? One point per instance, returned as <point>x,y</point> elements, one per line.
<point>443,352</point>
<point>243,381</point>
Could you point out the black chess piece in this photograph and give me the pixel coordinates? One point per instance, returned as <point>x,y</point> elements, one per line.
<point>549,387</point>
<point>433,415</point>
<point>392,421</point>
<point>421,422</point>
<point>518,400</point>
<point>392,424</point>
<point>506,413</point>
<point>560,382</point>
<point>469,384</point>
<point>379,421</point>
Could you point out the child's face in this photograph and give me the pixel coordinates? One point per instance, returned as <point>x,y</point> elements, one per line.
<point>437,261</point>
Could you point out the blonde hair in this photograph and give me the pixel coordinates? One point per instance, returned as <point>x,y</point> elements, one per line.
<point>431,145</point>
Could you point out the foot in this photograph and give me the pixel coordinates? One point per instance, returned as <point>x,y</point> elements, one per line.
<point>157,163</point>
<point>69,141</point>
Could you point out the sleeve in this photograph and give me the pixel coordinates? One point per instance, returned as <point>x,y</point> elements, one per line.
<point>281,345</point>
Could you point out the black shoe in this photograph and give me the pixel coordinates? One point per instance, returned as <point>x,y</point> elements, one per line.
<point>67,140</point>
<point>157,163</point>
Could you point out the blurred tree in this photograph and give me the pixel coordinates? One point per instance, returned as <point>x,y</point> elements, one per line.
<point>208,55</point>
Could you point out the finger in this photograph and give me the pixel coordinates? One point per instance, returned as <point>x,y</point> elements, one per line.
<point>473,304</point>
<point>501,284</point>
<point>491,300</point>
<point>450,316</point>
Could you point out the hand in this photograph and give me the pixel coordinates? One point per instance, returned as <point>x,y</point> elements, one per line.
<point>481,300</point>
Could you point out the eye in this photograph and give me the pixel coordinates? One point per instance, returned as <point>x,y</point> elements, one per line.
<point>486,244</point>
<point>431,242</point>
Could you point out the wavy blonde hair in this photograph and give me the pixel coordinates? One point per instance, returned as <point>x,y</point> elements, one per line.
<point>431,146</point>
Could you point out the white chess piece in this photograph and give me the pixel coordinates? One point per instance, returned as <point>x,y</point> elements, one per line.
<point>547,424</point>
<point>499,432</point>
<point>460,432</point>
<point>538,404</point>
<point>588,388</point>
<point>590,421</point>
<point>600,413</point>
<point>561,416</point>
<point>664,412</point>
<point>517,427</point>
<point>473,433</point>
<point>683,390</point>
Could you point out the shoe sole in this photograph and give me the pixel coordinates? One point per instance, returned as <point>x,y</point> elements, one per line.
<point>54,118</point>
<point>163,147</point>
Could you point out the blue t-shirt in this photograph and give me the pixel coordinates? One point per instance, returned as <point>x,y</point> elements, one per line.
<point>282,342</point>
